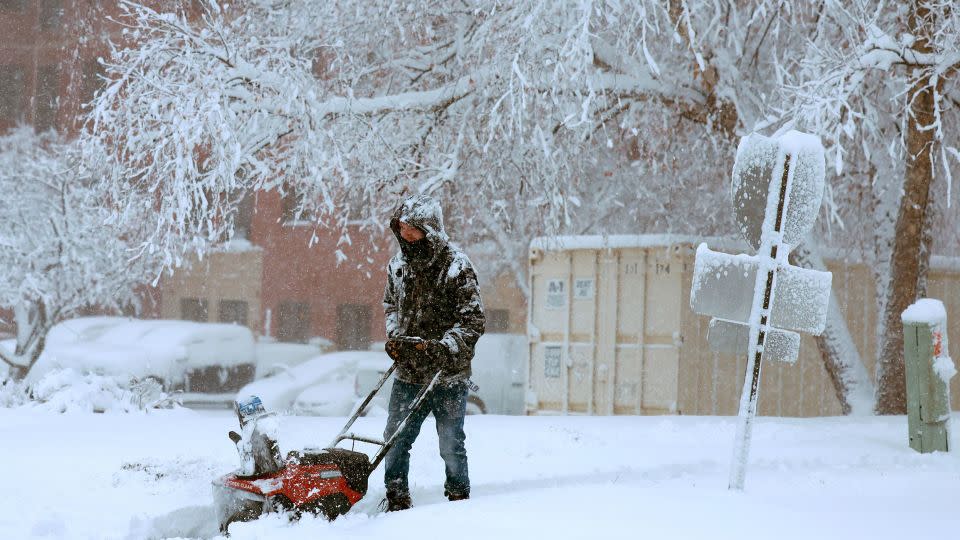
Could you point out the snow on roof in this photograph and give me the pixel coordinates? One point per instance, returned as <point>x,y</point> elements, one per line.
<point>625,241</point>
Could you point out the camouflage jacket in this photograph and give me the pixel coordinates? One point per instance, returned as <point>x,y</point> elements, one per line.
<point>432,291</point>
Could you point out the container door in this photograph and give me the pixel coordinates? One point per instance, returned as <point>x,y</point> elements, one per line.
<point>661,338</point>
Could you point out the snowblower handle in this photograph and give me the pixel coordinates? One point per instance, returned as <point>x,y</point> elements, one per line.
<point>344,433</point>
<point>418,400</point>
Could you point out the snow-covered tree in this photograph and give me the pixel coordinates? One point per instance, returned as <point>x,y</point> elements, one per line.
<point>357,103</point>
<point>525,118</point>
<point>61,248</point>
<point>880,83</point>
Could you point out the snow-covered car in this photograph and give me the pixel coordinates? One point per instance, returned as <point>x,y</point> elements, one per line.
<point>181,355</point>
<point>82,329</point>
<point>498,371</point>
<point>275,356</point>
<point>332,373</point>
<point>68,332</point>
<point>340,399</point>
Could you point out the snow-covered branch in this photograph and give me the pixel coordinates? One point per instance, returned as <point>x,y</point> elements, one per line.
<point>356,104</point>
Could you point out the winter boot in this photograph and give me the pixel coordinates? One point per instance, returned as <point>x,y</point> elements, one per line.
<point>455,495</point>
<point>398,501</point>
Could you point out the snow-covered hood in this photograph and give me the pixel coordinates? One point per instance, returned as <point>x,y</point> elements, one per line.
<point>424,213</point>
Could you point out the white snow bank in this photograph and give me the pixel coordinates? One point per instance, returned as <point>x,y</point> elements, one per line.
<point>555,478</point>
<point>925,310</point>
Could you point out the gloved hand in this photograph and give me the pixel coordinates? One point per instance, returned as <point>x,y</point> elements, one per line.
<point>437,352</point>
<point>394,348</point>
<point>405,350</point>
<point>417,354</point>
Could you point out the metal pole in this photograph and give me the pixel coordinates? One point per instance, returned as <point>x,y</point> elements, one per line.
<point>761,312</point>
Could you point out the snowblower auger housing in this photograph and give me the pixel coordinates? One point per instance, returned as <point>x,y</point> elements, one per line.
<point>326,481</point>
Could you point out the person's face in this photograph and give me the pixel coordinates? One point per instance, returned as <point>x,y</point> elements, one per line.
<point>410,233</point>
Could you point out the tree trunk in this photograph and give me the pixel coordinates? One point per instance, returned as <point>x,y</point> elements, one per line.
<point>32,329</point>
<point>908,259</point>
<point>841,359</point>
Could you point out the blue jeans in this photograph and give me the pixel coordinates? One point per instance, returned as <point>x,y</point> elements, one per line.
<point>448,403</point>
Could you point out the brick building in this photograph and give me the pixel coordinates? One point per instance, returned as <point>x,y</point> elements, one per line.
<point>48,60</point>
<point>279,283</point>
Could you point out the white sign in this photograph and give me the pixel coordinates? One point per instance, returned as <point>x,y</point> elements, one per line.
<point>723,287</point>
<point>556,293</point>
<point>760,301</point>
<point>583,289</point>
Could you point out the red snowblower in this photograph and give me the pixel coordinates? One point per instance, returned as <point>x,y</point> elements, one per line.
<point>327,481</point>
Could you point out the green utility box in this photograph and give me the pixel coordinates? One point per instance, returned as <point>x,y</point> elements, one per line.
<point>928,370</point>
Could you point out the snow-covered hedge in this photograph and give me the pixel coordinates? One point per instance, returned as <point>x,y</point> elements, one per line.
<point>12,393</point>
<point>66,390</point>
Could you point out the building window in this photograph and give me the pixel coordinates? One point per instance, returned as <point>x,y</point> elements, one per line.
<point>233,311</point>
<point>244,219</point>
<point>51,13</point>
<point>48,85</point>
<point>15,6</point>
<point>353,327</point>
<point>498,321</point>
<point>11,92</point>
<point>293,322</point>
<point>194,309</point>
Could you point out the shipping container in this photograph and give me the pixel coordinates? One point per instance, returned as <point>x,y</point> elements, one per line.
<point>612,332</point>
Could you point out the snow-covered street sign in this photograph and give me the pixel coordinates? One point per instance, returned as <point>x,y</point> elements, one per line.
<point>759,302</point>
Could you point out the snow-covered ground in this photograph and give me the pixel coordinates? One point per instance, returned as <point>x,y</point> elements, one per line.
<point>135,476</point>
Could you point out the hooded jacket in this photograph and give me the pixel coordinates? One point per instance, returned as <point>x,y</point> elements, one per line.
<point>432,291</point>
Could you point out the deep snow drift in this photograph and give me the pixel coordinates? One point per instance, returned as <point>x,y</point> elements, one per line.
<point>133,476</point>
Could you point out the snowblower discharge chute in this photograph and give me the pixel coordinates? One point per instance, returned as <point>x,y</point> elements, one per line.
<point>327,481</point>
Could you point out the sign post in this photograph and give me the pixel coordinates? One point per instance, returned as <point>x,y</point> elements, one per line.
<point>759,302</point>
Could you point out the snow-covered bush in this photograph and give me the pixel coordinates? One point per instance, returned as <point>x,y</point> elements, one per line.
<point>66,390</point>
<point>13,393</point>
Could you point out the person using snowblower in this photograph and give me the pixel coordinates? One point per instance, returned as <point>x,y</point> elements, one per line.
<point>434,317</point>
